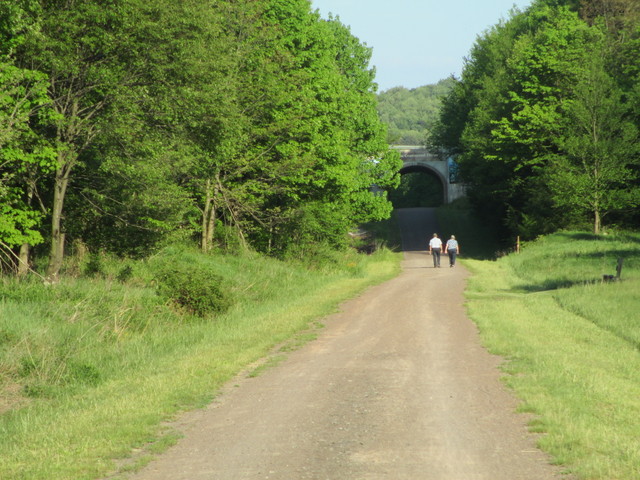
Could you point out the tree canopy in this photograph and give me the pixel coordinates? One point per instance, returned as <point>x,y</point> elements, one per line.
<point>126,123</point>
<point>544,119</point>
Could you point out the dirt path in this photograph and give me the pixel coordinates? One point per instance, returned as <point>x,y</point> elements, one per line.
<point>396,387</point>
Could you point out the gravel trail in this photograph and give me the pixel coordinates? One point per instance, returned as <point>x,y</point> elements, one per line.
<point>397,386</point>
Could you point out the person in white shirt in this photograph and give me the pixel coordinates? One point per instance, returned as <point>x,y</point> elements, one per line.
<point>435,246</point>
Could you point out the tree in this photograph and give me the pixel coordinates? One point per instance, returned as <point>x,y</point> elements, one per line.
<point>517,117</point>
<point>410,113</point>
<point>184,117</point>
<point>505,116</point>
<point>24,155</point>
<point>78,46</point>
<point>614,15</point>
<point>315,146</point>
<point>599,144</point>
<point>468,121</point>
<point>543,68</point>
<point>166,137</point>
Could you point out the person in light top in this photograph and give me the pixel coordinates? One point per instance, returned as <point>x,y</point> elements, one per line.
<point>452,249</point>
<point>435,246</point>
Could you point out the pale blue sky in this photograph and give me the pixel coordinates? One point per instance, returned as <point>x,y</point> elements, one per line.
<point>418,42</point>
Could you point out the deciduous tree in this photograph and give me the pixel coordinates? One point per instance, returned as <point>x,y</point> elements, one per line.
<point>78,46</point>
<point>598,145</point>
<point>25,156</point>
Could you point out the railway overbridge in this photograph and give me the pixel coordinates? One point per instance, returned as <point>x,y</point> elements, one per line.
<point>416,158</point>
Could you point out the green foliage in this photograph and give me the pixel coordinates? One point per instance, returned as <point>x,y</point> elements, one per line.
<point>94,265</point>
<point>125,274</point>
<point>543,136</point>
<point>139,123</point>
<point>596,176</point>
<point>18,222</point>
<point>417,189</point>
<point>24,156</point>
<point>446,131</point>
<point>348,148</point>
<point>410,113</point>
<point>196,290</point>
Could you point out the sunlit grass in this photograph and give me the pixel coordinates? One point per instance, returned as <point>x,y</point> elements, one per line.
<point>571,345</point>
<point>102,364</point>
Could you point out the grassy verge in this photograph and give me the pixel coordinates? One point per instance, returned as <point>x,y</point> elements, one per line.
<point>571,344</point>
<point>91,368</point>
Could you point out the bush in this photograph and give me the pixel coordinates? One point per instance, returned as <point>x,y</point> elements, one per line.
<point>125,274</point>
<point>94,266</point>
<point>196,290</point>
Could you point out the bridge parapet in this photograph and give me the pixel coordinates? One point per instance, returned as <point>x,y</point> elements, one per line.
<point>416,152</point>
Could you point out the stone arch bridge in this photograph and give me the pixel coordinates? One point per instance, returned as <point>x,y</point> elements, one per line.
<point>416,158</point>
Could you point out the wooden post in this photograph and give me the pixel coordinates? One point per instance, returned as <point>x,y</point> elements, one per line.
<point>616,277</point>
<point>518,244</point>
<point>619,268</point>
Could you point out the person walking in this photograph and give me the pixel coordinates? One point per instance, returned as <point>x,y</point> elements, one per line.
<point>435,246</point>
<point>453,249</point>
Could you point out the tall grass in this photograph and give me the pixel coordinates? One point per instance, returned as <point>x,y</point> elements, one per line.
<point>91,368</point>
<point>571,344</point>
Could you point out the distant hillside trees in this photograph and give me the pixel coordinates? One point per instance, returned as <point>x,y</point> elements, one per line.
<point>545,118</point>
<point>409,113</point>
<point>126,123</point>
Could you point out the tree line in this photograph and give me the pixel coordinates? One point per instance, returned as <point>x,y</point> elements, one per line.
<point>125,124</point>
<point>544,118</point>
<point>410,113</point>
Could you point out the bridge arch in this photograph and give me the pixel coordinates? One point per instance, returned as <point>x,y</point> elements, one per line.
<point>416,158</point>
<point>428,185</point>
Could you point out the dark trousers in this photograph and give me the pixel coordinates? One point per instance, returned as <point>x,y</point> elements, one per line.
<point>436,257</point>
<point>452,256</point>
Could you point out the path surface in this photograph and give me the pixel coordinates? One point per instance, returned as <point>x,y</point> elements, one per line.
<point>396,387</point>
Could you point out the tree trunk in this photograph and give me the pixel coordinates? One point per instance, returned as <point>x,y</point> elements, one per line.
<point>206,213</point>
<point>25,248</point>
<point>211,224</point>
<point>56,255</point>
<point>23,259</point>
<point>208,217</point>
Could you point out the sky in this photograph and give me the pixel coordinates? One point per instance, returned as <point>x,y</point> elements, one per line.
<point>418,42</point>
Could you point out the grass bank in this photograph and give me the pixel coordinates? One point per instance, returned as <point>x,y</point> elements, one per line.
<point>90,369</point>
<point>571,344</point>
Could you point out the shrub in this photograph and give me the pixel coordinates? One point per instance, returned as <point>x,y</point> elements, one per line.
<point>198,291</point>
<point>124,274</point>
<point>94,266</point>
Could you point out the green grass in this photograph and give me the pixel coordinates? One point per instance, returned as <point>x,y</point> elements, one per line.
<point>571,344</point>
<point>90,369</point>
